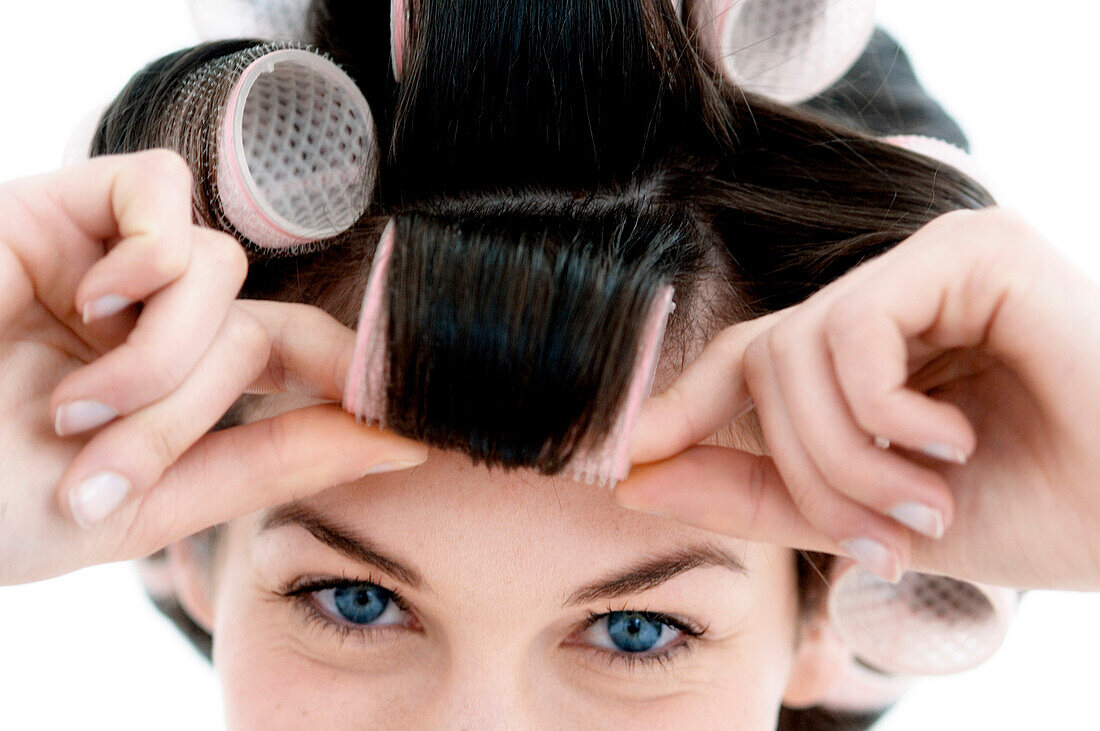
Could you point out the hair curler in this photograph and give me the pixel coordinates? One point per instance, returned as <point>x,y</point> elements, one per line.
<point>788,50</point>
<point>280,141</point>
<point>365,390</point>
<point>923,625</point>
<point>399,24</point>
<point>295,158</point>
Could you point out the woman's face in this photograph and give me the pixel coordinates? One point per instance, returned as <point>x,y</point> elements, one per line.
<point>453,596</point>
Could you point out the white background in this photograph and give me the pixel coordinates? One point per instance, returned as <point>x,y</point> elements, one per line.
<point>87,650</point>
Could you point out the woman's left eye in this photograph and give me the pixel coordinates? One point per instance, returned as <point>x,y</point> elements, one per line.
<point>632,632</point>
<point>361,604</point>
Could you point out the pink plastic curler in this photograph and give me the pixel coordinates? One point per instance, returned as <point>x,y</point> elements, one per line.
<point>399,21</point>
<point>609,461</point>
<point>296,149</point>
<point>365,390</point>
<point>788,50</point>
<point>923,625</point>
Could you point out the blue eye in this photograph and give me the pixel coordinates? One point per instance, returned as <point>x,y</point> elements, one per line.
<point>361,603</point>
<point>631,632</point>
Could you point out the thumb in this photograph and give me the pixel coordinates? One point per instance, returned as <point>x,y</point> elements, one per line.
<point>725,491</point>
<point>276,460</point>
<point>708,395</point>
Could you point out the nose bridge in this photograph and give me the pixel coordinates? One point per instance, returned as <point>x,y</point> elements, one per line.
<point>486,686</point>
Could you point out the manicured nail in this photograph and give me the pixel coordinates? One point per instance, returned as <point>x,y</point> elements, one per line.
<point>80,416</point>
<point>882,442</point>
<point>875,557</point>
<point>379,469</point>
<point>946,452</point>
<point>921,518</point>
<point>96,497</point>
<point>105,306</point>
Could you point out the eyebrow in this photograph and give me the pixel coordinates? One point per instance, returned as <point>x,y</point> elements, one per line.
<point>647,574</point>
<point>340,539</point>
<point>653,572</point>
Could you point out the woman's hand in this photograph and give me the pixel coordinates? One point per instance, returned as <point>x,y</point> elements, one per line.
<point>105,409</point>
<point>973,347</point>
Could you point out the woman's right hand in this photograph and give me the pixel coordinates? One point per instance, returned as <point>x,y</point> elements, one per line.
<point>106,410</point>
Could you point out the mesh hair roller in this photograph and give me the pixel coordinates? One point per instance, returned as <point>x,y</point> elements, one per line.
<point>365,391</point>
<point>923,625</point>
<point>282,144</point>
<point>788,50</point>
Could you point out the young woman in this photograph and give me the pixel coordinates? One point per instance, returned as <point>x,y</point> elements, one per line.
<point>456,595</point>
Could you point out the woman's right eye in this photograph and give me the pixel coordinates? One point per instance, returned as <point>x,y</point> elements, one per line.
<point>361,604</point>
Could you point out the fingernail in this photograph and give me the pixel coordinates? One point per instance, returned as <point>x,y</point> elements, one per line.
<point>96,497</point>
<point>105,306</point>
<point>946,452</point>
<point>379,469</point>
<point>79,416</point>
<point>875,557</point>
<point>921,518</point>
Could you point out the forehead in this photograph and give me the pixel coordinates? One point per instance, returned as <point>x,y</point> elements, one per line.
<point>488,510</point>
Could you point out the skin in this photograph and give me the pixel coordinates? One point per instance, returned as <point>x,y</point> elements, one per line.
<point>492,638</point>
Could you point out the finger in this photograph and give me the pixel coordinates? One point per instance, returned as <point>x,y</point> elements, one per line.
<point>269,462</point>
<point>175,329</point>
<point>127,458</point>
<point>880,544</point>
<point>707,396</point>
<point>310,349</point>
<point>845,456</point>
<point>726,491</point>
<point>151,202</point>
<point>926,292</point>
<point>16,292</point>
<point>57,225</point>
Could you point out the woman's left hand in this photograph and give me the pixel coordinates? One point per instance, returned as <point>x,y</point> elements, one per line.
<point>973,347</point>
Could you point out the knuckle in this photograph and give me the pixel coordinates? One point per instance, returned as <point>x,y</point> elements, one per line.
<point>811,499</point>
<point>230,256</point>
<point>148,363</point>
<point>785,339</point>
<point>164,165</point>
<point>843,317</point>
<point>249,336</point>
<point>755,362</point>
<point>168,262</point>
<point>161,441</point>
<point>276,439</point>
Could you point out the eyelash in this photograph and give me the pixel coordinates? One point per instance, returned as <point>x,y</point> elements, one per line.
<point>691,634</point>
<point>301,593</point>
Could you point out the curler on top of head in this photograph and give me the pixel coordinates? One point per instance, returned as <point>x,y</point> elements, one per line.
<point>788,50</point>
<point>281,142</point>
<point>295,150</point>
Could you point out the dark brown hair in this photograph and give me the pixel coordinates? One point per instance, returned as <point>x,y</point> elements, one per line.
<point>549,165</point>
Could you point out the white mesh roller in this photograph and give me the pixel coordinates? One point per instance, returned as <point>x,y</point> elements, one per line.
<point>924,625</point>
<point>788,50</point>
<point>281,143</point>
<point>273,20</point>
<point>295,157</point>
